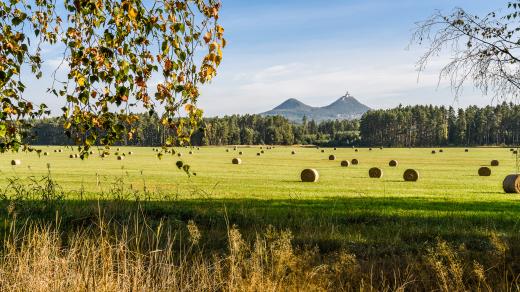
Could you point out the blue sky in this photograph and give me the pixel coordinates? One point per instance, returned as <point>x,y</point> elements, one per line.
<point>315,50</point>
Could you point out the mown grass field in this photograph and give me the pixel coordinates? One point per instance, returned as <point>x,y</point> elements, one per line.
<point>345,208</point>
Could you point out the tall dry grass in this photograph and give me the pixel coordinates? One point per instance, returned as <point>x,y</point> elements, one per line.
<point>110,257</point>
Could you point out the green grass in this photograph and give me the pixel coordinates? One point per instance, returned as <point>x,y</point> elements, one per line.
<point>344,209</point>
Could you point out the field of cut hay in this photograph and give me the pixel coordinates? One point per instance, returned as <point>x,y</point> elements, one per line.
<point>449,230</point>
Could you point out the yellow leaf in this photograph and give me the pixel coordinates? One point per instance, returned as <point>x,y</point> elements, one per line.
<point>81,81</point>
<point>132,13</point>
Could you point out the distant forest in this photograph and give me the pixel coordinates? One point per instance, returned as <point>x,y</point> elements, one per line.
<point>410,126</point>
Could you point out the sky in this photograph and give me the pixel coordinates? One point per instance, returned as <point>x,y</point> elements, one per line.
<point>316,50</point>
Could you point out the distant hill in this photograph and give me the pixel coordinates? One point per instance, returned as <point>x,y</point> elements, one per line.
<point>345,108</point>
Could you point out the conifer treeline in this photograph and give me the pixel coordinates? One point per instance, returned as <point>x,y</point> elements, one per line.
<point>414,126</point>
<point>410,126</point>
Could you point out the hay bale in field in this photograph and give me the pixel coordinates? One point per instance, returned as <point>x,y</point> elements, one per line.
<point>198,148</point>
<point>411,175</point>
<point>309,175</point>
<point>179,164</point>
<point>466,150</point>
<point>494,162</point>
<point>345,163</point>
<point>55,151</point>
<point>130,152</point>
<point>76,155</point>
<point>393,163</point>
<point>354,161</point>
<point>484,171</point>
<point>515,152</point>
<point>16,162</point>
<point>335,148</point>
<point>236,161</point>
<point>71,156</point>
<point>369,149</point>
<point>293,152</point>
<point>441,150</point>
<point>433,151</point>
<point>511,149</point>
<point>45,153</point>
<point>380,148</point>
<point>511,184</point>
<point>118,149</point>
<point>120,157</point>
<point>191,152</point>
<point>262,152</point>
<point>179,154</point>
<point>375,172</point>
<point>59,150</point>
<point>322,150</point>
<point>356,150</point>
<point>332,157</point>
<point>258,154</point>
<point>240,153</point>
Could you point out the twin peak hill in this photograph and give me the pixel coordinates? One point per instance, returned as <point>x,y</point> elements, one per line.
<point>344,108</point>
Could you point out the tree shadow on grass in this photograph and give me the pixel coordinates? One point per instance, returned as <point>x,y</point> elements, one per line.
<point>381,225</point>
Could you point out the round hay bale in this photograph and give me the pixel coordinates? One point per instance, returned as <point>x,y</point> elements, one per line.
<point>45,153</point>
<point>332,157</point>
<point>511,149</point>
<point>466,150</point>
<point>494,162</point>
<point>179,154</point>
<point>393,163</point>
<point>515,152</point>
<point>120,157</point>
<point>240,153</point>
<point>335,148</point>
<point>441,150</point>
<point>258,154</point>
<point>345,163</point>
<point>235,148</point>
<point>293,152</point>
<point>16,162</point>
<point>380,148</point>
<point>130,153</point>
<point>236,161</point>
<point>354,161</point>
<point>118,149</point>
<point>511,184</point>
<point>59,150</point>
<point>227,150</point>
<point>198,148</point>
<point>322,150</point>
<point>310,175</point>
<point>369,149</point>
<point>71,156</point>
<point>179,164</point>
<point>375,172</point>
<point>411,175</point>
<point>356,150</point>
<point>76,155</point>
<point>484,171</point>
<point>433,151</point>
<point>262,152</point>
<point>55,151</point>
<point>191,152</point>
